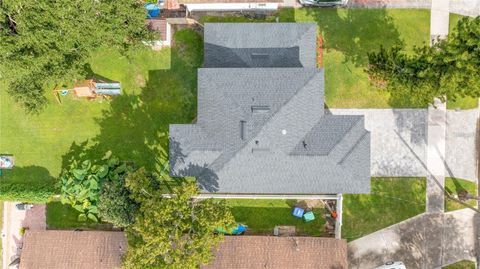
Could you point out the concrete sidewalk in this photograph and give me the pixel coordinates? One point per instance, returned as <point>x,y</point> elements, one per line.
<point>439,19</point>
<point>426,241</point>
<point>437,122</point>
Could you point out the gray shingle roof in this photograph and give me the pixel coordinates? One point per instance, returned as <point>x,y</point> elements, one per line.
<point>260,45</point>
<point>264,130</point>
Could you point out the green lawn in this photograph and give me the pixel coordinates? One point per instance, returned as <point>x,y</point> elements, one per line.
<point>261,216</point>
<point>391,201</point>
<point>159,88</point>
<point>453,186</point>
<point>463,103</point>
<point>461,265</point>
<point>64,217</point>
<point>349,35</point>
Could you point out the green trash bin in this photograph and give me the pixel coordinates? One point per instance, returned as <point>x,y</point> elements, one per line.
<point>309,216</point>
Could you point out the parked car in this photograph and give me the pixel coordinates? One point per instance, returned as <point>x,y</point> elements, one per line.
<point>319,3</point>
<point>392,265</point>
<point>23,206</point>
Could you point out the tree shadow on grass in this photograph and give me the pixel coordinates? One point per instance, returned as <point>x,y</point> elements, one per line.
<point>26,184</point>
<point>135,127</point>
<point>355,32</point>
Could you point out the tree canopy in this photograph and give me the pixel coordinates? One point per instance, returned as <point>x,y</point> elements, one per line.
<point>115,205</point>
<point>448,69</point>
<point>175,232</point>
<point>45,43</point>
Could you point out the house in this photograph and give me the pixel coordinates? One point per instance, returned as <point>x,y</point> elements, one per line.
<point>264,252</point>
<point>164,28</point>
<point>226,5</point>
<point>261,127</point>
<point>54,249</point>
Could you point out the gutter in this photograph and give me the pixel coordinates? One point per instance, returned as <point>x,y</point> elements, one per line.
<point>268,196</point>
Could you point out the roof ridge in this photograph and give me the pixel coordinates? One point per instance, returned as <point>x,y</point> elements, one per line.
<point>302,36</point>
<point>352,147</point>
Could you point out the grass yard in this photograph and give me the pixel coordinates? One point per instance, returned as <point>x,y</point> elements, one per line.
<point>159,88</point>
<point>64,217</point>
<point>349,34</point>
<point>461,265</point>
<point>261,216</point>
<point>453,186</point>
<point>391,201</point>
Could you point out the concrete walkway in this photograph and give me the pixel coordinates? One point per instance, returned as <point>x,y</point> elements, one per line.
<point>398,140</point>
<point>439,19</point>
<point>429,240</point>
<point>461,148</point>
<point>437,121</point>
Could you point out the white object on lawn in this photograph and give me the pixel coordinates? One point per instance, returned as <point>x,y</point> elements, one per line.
<point>392,265</point>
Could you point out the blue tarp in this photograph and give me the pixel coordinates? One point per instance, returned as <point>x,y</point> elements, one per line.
<point>235,231</point>
<point>152,10</point>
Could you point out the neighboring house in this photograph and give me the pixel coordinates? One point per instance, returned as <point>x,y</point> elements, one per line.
<point>261,125</point>
<point>164,28</point>
<point>104,250</point>
<point>263,252</point>
<point>225,5</point>
<point>72,250</point>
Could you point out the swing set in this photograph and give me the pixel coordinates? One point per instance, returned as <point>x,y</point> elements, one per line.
<point>90,89</point>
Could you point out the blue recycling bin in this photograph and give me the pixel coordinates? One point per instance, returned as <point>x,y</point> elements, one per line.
<point>152,10</point>
<point>298,212</point>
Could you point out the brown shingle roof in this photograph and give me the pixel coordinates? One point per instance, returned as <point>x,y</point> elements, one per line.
<point>73,250</point>
<point>159,25</point>
<point>262,252</point>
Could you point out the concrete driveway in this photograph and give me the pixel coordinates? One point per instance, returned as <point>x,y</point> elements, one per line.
<point>398,140</point>
<point>426,241</point>
<point>13,221</point>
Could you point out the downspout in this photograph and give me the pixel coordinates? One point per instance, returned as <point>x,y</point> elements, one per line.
<point>338,221</point>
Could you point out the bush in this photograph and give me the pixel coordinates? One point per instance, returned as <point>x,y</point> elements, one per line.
<point>81,183</point>
<point>114,205</point>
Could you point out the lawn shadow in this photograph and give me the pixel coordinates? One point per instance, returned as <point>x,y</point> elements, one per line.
<point>87,69</point>
<point>135,126</point>
<point>355,32</point>
<point>26,183</point>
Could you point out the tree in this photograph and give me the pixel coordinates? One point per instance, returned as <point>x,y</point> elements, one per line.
<point>448,69</point>
<point>81,183</point>
<point>115,205</point>
<point>46,43</point>
<point>175,232</point>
